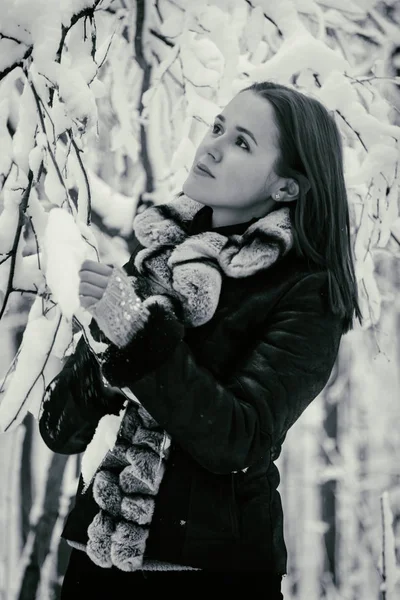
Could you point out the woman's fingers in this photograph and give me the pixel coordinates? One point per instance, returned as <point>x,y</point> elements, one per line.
<point>94,279</point>
<point>93,291</point>
<point>87,301</point>
<point>96,267</point>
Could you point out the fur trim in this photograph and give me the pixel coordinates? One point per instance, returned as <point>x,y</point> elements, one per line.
<point>124,488</point>
<point>260,246</point>
<point>165,225</point>
<point>190,269</point>
<point>98,547</point>
<point>144,475</point>
<point>138,509</point>
<point>128,543</point>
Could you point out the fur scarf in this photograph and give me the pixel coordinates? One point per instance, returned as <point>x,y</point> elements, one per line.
<point>181,276</point>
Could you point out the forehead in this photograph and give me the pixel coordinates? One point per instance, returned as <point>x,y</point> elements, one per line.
<point>255,113</point>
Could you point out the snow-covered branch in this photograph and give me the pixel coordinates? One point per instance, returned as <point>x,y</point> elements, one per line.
<point>12,253</point>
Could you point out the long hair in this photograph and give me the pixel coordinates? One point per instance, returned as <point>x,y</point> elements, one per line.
<point>311,153</point>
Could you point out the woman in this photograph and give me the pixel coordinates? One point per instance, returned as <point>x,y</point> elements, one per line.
<point>225,324</point>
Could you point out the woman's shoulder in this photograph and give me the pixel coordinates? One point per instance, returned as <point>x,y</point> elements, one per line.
<point>297,286</point>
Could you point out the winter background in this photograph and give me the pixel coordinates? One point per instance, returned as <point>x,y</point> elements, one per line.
<point>102,104</point>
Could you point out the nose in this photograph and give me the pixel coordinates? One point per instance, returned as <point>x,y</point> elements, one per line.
<point>215,154</point>
<point>214,150</point>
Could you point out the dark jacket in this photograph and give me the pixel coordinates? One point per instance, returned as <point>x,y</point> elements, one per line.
<point>227,393</point>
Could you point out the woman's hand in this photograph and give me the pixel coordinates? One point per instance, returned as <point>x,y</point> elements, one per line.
<point>94,278</point>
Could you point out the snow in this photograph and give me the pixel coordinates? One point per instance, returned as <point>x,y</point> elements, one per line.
<point>64,252</point>
<point>387,562</point>
<point>24,388</point>
<point>6,140</point>
<point>116,210</point>
<point>74,92</point>
<point>10,53</point>
<point>254,29</point>
<point>9,218</point>
<point>103,440</point>
<point>24,137</point>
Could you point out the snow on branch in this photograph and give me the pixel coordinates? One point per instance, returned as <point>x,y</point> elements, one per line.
<point>389,570</point>
<point>57,112</point>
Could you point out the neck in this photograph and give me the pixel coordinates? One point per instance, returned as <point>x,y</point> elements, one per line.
<point>223,217</point>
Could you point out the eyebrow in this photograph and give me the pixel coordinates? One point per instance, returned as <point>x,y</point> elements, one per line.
<point>239,128</point>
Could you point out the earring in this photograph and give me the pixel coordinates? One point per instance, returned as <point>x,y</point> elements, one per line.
<point>277,196</point>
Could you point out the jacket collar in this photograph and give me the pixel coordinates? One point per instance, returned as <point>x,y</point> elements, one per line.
<point>242,249</point>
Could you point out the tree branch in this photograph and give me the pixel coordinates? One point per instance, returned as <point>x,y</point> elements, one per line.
<point>38,376</point>
<point>13,252</point>
<point>19,63</point>
<point>161,37</point>
<point>53,158</point>
<point>146,68</point>
<point>78,156</point>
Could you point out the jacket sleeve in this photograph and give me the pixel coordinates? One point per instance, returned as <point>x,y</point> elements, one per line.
<point>76,399</point>
<point>229,425</point>
<point>74,402</point>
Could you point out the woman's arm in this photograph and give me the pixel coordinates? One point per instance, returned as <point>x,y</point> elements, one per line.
<point>74,402</point>
<point>228,426</point>
<point>76,399</point>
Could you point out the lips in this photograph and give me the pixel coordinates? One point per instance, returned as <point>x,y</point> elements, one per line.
<point>203,170</point>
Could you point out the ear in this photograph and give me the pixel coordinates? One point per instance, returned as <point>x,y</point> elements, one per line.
<point>288,192</point>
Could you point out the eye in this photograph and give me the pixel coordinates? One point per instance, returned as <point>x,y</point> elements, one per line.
<point>243,141</point>
<point>215,128</point>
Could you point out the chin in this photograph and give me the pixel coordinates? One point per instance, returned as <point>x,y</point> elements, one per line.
<point>192,190</point>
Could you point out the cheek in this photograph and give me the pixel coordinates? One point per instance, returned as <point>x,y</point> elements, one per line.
<point>249,184</point>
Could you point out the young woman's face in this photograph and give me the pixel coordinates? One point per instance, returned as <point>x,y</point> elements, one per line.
<point>239,151</point>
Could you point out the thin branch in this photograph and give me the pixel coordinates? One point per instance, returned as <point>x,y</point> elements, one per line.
<point>344,118</point>
<point>266,16</point>
<point>158,11</point>
<point>161,37</point>
<point>19,63</point>
<point>3,181</point>
<point>38,376</point>
<point>106,52</point>
<point>75,18</point>
<point>10,37</point>
<point>13,252</point>
<point>21,291</point>
<point>36,241</point>
<point>86,12</point>
<point>89,195</point>
<point>146,68</point>
<point>3,260</point>
<point>53,158</point>
<point>10,370</point>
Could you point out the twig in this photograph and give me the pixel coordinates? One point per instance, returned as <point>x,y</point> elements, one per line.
<point>13,252</point>
<point>38,376</point>
<point>158,11</point>
<point>266,16</point>
<point>146,68</point>
<point>3,181</point>
<point>344,118</point>
<point>75,18</point>
<point>36,241</point>
<point>53,158</point>
<point>19,63</point>
<point>161,37</point>
<point>78,156</point>
<point>10,37</point>
<point>3,260</point>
